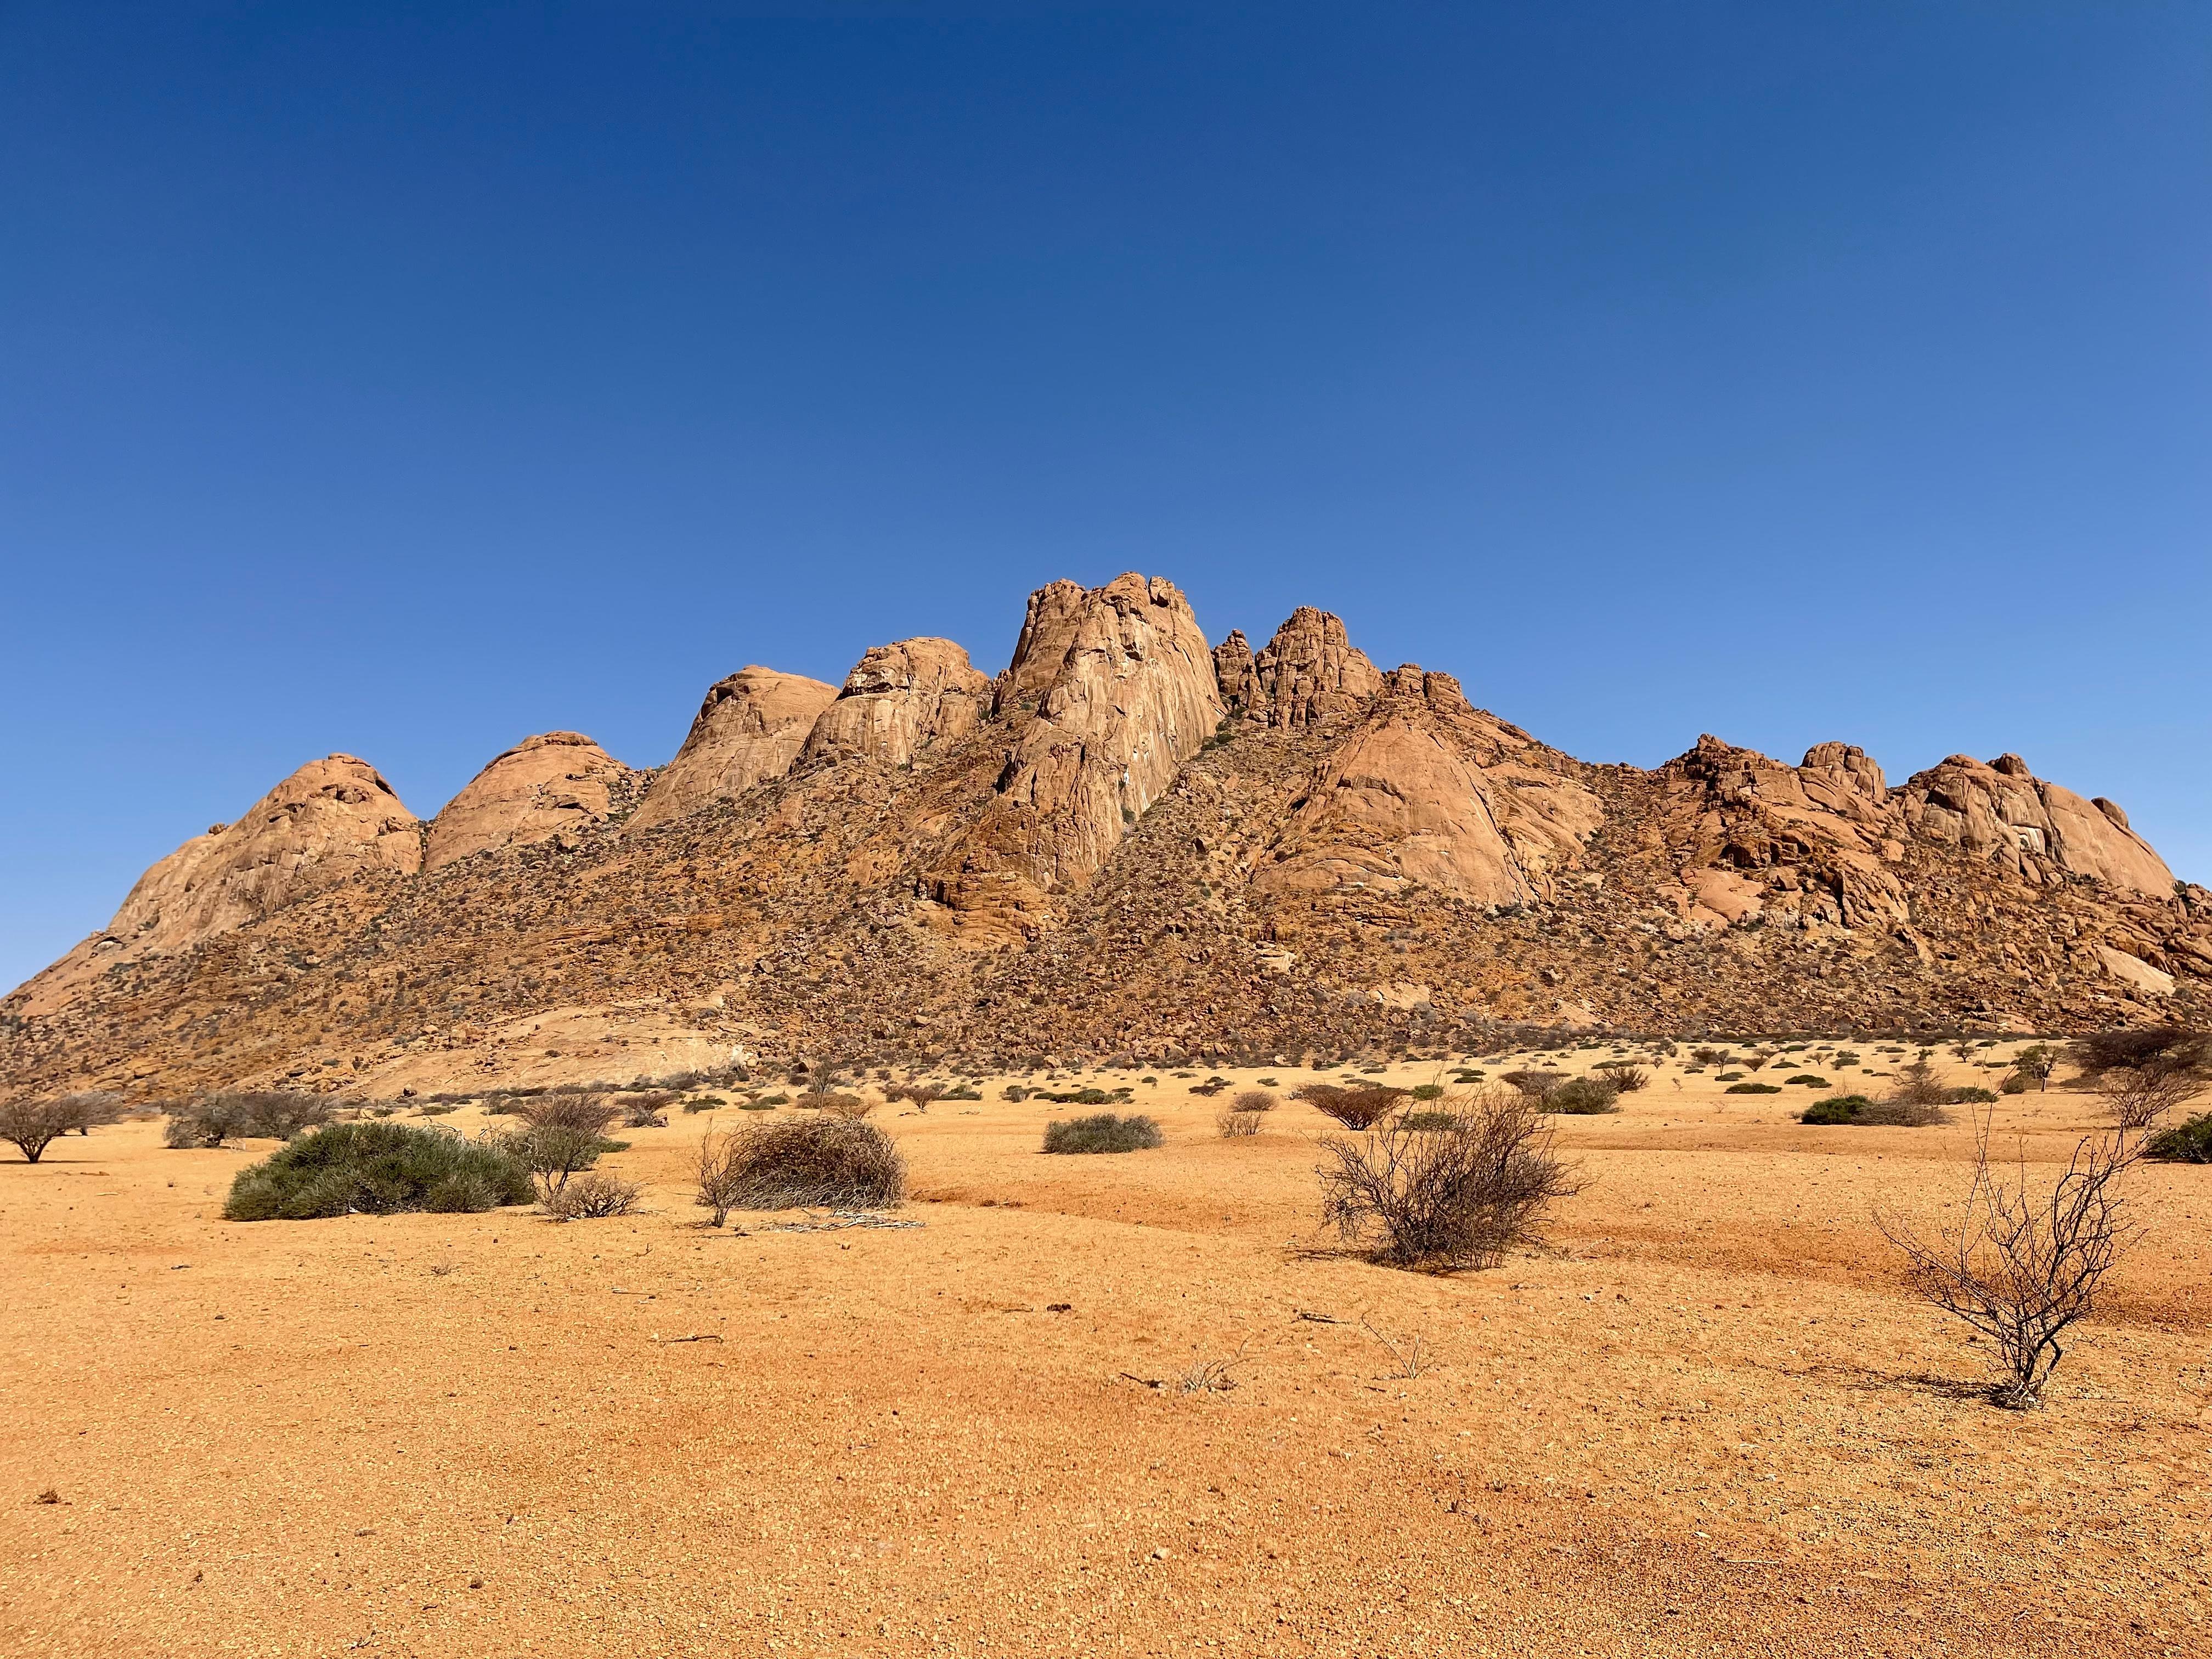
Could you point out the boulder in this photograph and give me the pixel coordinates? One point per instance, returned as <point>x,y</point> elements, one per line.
<point>751,727</point>
<point>556,782</point>
<point>899,699</point>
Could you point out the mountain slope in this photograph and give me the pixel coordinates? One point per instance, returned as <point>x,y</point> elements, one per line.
<point>1128,842</point>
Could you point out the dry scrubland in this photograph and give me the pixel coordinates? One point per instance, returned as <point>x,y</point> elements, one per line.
<point>1708,1420</point>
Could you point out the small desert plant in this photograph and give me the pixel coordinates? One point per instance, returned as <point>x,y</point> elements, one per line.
<point>33,1124</point>
<point>1428,1120</point>
<point>1105,1132</point>
<point>2028,1256</point>
<point>1250,1101</point>
<point>1754,1089</point>
<point>1872,1114</point>
<point>1233,1124</point>
<point>1625,1076</point>
<point>1916,1085</point>
<point>921,1094</point>
<point>594,1197</point>
<point>1455,1197</point>
<point>1808,1080</point>
<point>1355,1105</point>
<point>704,1104</point>
<point>266,1115</point>
<point>2184,1143</point>
<point>376,1169</point>
<point>2014,1083</point>
<point>1212,1085</point>
<point>844,1106</point>
<point>801,1163</point>
<point>1537,1086</point>
<point>647,1111</point>
<point>1582,1097</point>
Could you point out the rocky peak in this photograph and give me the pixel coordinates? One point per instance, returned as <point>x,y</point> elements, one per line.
<point>1309,670</point>
<point>1845,770</point>
<point>751,727</point>
<point>2002,813</point>
<point>544,785</point>
<point>1130,698</point>
<point>900,699</point>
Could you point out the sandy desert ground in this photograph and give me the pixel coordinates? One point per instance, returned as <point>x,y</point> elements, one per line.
<point>1706,1422</point>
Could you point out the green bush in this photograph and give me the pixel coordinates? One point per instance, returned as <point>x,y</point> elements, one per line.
<point>1582,1097</point>
<point>1859,1110</point>
<point>376,1169</point>
<point>1428,1092</point>
<point>1971,1097</point>
<point>2014,1083</point>
<point>2184,1143</point>
<point>1729,1077</point>
<point>1105,1132</point>
<point>1809,1080</point>
<point>1753,1088</point>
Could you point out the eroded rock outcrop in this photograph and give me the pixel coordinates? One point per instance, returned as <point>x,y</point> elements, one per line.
<point>1753,835</point>
<point>899,699</point>
<point>2002,812</point>
<point>1309,670</point>
<point>750,728</point>
<point>556,782</point>
<point>1124,693</point>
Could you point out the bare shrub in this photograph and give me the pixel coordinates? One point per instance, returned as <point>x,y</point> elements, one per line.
<point>806,1163</point>
<point>1537,1086</point>
<point>921,1094</point>
<point>2028,1257</point>
<point>1213,1375</point>
<point>31,1125</point>
<point>2137,1096</point>
<point>1626,1077</point>
<point>648,1110</point>
<point>1446,1198</point>
<point>851,1107</point>
<point>587,1111</point>
<point>1918,1084</point>
<point>722,1176</point>
<point>594,1197</point>
<point>1355,1105</point>
<point>1252,1101</point>
<point>1409,1354</point>
<point>243,1114</point>
<point>1237,1126</point>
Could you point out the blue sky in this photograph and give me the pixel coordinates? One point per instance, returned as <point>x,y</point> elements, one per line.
<point>406,380</point>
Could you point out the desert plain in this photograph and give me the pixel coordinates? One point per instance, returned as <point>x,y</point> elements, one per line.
<point>1134,1404</point>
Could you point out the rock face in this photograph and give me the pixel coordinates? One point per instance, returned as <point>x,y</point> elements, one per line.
<point>1398,806</point>
<point>750,728</point>
<point>1124,693</point>
<point>899,699</point>
<point>556,782</point>
<point>2002,813</point>
<point>1309,670</point>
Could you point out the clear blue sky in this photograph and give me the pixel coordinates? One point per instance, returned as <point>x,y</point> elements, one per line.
<point>405,379</point>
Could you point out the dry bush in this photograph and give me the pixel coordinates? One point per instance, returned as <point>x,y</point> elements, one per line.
<point>2138,1097</point>
<point>1582,1097</point>
<point>33,1124</point>
<point>921,1094</point>
<point>802,1162</point>
<point>648,1110</point>
<point>594,1197</point>
<point>1355,1105</point>
<point>850,1107</point>
<point>1237,1126</point>
<point>243,1114</point>
<point>1918,1084</point>
<point>1626,1077</point>
<point>2026,1259</point>
<point>1448,1198</point>
<point>587,1111</point>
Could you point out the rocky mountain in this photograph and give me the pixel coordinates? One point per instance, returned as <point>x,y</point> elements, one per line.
<point>1128,842</point>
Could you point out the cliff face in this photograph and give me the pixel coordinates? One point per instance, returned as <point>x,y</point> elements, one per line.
<point>1127,843</point>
